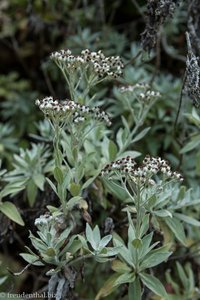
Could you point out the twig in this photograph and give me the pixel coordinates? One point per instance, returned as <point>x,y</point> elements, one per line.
<point>134,58</point>
<point>23,270</point>
<point>79,259</point>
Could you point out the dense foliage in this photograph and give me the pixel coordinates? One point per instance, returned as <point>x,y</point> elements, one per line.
<point>100,149</point>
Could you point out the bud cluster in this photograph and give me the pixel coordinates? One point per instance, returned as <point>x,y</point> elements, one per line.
<point>132,88</point>
<point>146,95</point>
<point>150,167</point>
<point>103,66</point>
<point>149,95</point>
<point>64,109</point>
<point>43,220</point>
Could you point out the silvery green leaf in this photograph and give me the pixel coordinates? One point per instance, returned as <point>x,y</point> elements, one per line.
<point>163,213</point>
<point>9,209</point>
<point>137,243</point>
<point>131,233</point>
<point>182,275</point>
<point>83,241</point>
<point>32,259</point>
<point>52,185</point>
<point>140,135</point>
<point>73,202</point>
<point>145,225</point>
<point>177,228</point>
<point>120,267</point>
<point>117,191</point>
<point>96,235</point>
<point>3,279</point>
<point>124,278</point>
<point>37,243</point>
<point>154,258</point>
<point>104,241</point>
<point>31,192</point>
<point>187,219</point>
<point>90,237</point>
<point>109,251</point>
<point>154,285</point>
<point>64,235</point>
<point>123,252</point>
<point>39,181</point>
<point>88,182</point>
<point>58,175</point>
<point>146,241</point>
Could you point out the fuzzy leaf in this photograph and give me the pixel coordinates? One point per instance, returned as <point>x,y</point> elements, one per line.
<point>39,180</point>
<point>187,219</point>
<point>154,258</point>
<point>104,241</point>
<point>31,192</point>
<point>58,175</point>
<point>31,259</point>
<point>52,185</point>
<point>177,228</point>
<point>163,213</point>
<point>120,267</point>
<point>140,135</point>
<point>108,287</point>
<point>10,210</point>
<point>124,278</point>
<point>112,150</point>
<point>153,284</point>
<point>75,189</point>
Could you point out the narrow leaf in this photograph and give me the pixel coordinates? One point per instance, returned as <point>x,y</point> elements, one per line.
<point>58,175</point>
<point>153,284</point>
<point>187,219</point>
<point>120,267</point>
<point>177,228</point>
<point>10,210</point>
<point>140,135</point>
<point>108,287</point>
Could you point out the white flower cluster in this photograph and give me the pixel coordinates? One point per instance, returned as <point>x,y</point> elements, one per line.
<point>103,66</point>
<point>144,173</point>
<point>149,95</point>
<point>131,88</point>
<point>43,220</point>
<point>65,108</point>
<point>146,95</point>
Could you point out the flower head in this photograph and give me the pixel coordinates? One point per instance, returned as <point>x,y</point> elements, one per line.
<point>145,173</point>
<point>142,91</point>
<point>67,110</point>
<point>103,66</point>
<point>43,220</point>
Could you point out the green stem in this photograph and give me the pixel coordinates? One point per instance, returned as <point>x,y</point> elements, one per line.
<point>69,82</point>
<point>138,223</point>
<point>80,258</point>
<point>58,164</point>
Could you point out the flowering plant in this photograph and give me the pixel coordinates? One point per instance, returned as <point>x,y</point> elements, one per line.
<point>60,242</point>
